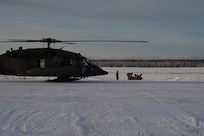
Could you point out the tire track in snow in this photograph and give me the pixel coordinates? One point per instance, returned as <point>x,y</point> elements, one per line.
<point>94,122</point>
<point>5,116</point>
<point>114,118</point>
<point>195,121</point>
<point>134,123</point>
<point>105,122</point>
<point>169,125</point>
<point>37,122</point>
<point>99,119</point>
<point>77,130</point>
<point>177,123</point>
<point>53,122</point>
<point>42,122</point>
<point>100,123</point>
<point>123,115</point>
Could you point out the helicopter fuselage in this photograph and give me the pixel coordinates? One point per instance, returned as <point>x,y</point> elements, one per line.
<point>47,62</point>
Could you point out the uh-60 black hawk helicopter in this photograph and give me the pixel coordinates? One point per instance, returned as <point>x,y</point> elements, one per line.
<point>65,65</point>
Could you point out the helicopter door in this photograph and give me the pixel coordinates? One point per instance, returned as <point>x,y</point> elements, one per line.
<point>42,63</point>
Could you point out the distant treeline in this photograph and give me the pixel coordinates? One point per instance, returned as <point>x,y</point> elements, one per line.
<point>151,63</point>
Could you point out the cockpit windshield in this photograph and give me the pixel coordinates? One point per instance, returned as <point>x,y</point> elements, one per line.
<point>78,61</point>
<point>86,61</point>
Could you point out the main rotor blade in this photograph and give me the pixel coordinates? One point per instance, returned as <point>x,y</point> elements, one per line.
<point>15,40</point>
<point>41,40</point>
<point>50,41</point>
<point>76,41</point>
<point>20,40</point>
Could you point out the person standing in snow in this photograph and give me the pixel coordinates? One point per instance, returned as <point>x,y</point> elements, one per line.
<point>117,75</point>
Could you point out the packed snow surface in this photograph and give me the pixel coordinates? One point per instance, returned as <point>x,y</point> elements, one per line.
<point>167,102</point>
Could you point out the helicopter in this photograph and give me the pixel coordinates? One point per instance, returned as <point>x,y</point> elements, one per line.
<point>65,65</point>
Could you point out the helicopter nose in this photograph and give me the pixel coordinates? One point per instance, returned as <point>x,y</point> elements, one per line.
<point>99,71</point>
<point>104,72</point>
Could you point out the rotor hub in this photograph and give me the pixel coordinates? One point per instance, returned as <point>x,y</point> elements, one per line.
<point>49,41</point>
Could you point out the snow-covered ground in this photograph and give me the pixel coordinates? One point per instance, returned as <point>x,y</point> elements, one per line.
<point>168,102</point>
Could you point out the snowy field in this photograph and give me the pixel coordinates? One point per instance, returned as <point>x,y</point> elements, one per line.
<point>168,102</point>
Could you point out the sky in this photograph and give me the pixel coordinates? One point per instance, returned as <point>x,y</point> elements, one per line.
<point>173,28</point>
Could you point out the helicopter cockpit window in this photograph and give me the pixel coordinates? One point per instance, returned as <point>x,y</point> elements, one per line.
<point>88,61</point>
<point>85,63</point>
<point>80,61</point>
